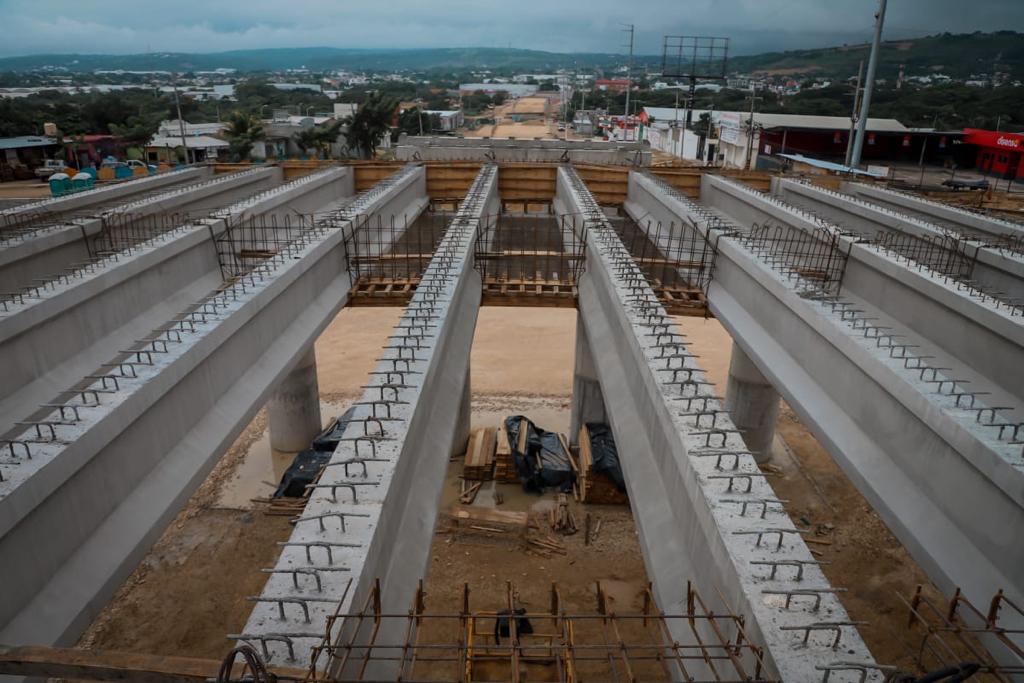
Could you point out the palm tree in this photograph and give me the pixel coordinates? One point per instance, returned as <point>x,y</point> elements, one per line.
<point>307,139</point>
<point>243,131</point>
<point>325,137</point>
<point>370,124</point>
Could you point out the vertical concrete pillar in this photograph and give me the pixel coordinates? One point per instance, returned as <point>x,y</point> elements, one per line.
<point>587,399</point>
<point>753,404</point>
<point>293,411</point>
<point>465,416</point>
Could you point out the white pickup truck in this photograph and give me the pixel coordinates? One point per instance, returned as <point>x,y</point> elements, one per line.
<point>49,167</point>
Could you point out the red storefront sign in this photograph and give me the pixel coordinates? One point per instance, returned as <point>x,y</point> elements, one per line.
<point>989,138</point>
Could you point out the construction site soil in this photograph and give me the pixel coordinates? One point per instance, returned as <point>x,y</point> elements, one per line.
<point>191,589</point>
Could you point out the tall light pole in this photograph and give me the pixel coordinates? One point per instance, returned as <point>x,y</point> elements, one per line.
<point>869,85</point>
<point>630,28</point>
<point>853,113</point>
<point>181,126</point>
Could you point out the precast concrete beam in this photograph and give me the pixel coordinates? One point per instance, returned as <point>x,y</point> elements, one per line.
<point>293,411</point>
<point>949,486</point>
<point>752,403</point>
<point>997,269</point>
<point>378,496</point>
<point>52,254</point>
<point>981,338</point>
<point>65,331</point>
<point>693,486</point>
<point>118,470</point>
<point>968,222</point>
<point>55,207</point>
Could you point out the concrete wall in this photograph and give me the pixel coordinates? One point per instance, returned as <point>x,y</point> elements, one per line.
<point>102,498</point>
<point>524,150</point>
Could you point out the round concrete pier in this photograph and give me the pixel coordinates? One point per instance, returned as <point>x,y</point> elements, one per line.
<point>752,403</point>
<point>293,411</point>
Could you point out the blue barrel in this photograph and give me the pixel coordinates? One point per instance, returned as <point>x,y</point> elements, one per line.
<point>60,184</point>
<point>123,172</point>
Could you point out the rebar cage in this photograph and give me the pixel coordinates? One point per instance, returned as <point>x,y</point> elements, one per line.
<point>531,249</point>
<point>950,255</point>
<point>512,641</point>
<point>816,259</point>
<point>248,241</point>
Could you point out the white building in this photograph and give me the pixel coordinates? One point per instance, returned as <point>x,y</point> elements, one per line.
<point>451,119</point>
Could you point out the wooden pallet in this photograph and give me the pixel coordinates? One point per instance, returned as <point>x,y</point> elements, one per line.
<point>479,462</point>
<point>595,487</point>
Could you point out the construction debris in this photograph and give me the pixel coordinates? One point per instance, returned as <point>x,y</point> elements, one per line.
<point>562,519</point>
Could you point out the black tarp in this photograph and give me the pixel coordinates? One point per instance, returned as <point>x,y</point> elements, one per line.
<point>604,453</point>
<point>301,473</point>
<point>307,463</point>
<point>328,439</point>
<point>545,463</point>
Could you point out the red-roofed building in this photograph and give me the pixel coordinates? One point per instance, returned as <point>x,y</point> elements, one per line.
<point>1000,154</point>
<point>612,84</point>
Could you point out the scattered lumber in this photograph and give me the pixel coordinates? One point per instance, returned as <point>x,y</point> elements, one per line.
<point>595,487</point>
<point>477,520</point>
<point>468,494</point>
<point>562,519</point>
<point>479,462</point>
<point>504,462</point>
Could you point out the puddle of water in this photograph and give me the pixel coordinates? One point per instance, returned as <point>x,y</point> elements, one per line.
<point>261,468</point>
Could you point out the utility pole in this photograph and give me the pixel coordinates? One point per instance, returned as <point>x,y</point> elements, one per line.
<point>629,79</point>
<point>181,126</point>
<point>853,114</point>
<point>750,126</point>
<point>869,85</point>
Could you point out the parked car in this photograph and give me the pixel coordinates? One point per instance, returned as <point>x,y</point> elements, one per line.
<point>110,162</point>
<point>49,167</point>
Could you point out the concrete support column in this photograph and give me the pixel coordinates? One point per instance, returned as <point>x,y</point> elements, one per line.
<point>753,404</point>
<point>465,416</point>
<point>587,399</point>
<point>294,410</point>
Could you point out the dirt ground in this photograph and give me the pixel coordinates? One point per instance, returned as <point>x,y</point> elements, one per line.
<point>191,589</point>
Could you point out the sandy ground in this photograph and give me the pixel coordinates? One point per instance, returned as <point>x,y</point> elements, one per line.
<point>190,591</point>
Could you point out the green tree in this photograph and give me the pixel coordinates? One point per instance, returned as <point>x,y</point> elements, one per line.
<point>243,131</point>
<point>307,139</point>
<point>327,136</point>
<point>370,124</point>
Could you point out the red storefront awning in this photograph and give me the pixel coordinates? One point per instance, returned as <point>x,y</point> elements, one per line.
<point>989,138</point>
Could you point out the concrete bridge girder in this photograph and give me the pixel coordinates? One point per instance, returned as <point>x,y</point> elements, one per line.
<point>947,488</point>
<point>149,445</point>
<point>689,526</point>
<point>993,268</point>
<point>393,503</point>
<point>66,332</point>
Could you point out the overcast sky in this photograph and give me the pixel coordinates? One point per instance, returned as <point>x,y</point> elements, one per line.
<point>120,26</point>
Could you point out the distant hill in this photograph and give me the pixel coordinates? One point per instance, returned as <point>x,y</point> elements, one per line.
<point>318,59</point>
<point>957,56</point>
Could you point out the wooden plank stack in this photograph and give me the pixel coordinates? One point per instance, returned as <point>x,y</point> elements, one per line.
<point>479,462</point>
<point>504,463</point>
<point>595,487</point>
